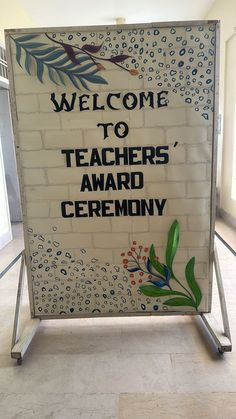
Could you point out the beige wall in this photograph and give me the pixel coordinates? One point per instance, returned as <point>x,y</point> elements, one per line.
<point>13,16</point>
<point>225,11</point>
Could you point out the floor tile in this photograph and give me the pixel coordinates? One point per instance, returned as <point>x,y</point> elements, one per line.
<point>176,406</point>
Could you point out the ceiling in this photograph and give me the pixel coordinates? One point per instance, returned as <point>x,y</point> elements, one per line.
<point>96,12</point>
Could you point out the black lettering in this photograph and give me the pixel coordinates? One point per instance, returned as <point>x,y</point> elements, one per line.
<point>134,207</point>
<point>109,96</point>
<point>105,128</point>
<point>98,182</point>
<point>123,180</point>
<point>160,204</point>
<point>79,206</point>
<point>121,208</point>
<point>148,155</point>
<point>95,104</point>
<point>147,207</point>
<point>68,156</point>
<point>119,127</point>
<point>63,209</point>
<point>79,156</point>
<point>119,155</point>
<point>105,160</point>
<point>126,100</point>
<point>64,102</point>
<point>86,185</point>
<point>110,183</point>
<point>133,155</point>
<point>136,180</point>
<point>161,99</point>
<point>163,158</point>
<point>95,158</point>
<point>82,101</point>
<point>146,96</point>
<point>94,207</point>
<point>106,209</point>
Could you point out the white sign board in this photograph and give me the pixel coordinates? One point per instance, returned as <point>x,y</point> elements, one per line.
<point>114,131</point>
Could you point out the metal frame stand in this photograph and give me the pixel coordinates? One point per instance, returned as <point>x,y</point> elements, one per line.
<point>21,343</point>
<point>221,339</point>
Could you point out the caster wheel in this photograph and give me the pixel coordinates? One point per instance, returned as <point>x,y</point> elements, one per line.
<point>19,361</point>
<point>220,351</point>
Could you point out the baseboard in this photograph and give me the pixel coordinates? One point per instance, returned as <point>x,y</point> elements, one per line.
<point>229,219</point>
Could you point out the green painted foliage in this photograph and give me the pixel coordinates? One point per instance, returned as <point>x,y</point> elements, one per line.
<point>55,62</point>
<point>172,243</point>
<point>189,294</point>
<point>174,302</point>
<point>154,262</point>
<point>192,283</point>
<point>153,291</point>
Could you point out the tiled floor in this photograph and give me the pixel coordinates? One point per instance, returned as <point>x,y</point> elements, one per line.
<point>118,368</point>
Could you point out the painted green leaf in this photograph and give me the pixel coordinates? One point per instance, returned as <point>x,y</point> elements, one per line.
<point>25,38</point>
<point>179,302</point>
<point>155,263</point>
<point>73,80</point>
<point>80,58</point>
<point>18,54</point>
<point>94,79</point>
<point>52,74</point>
<point>84,84</point>
<point>57,63</point>
<point>40,70</point>
<point>153,291</point>
<point>60,75</point>
<point>192,283</point>
<point>27,62</point>
<point>46,51</point>
<point>54,55</point>
<point>33,45</point>
<point>172,243</point>
<point>81,68</point>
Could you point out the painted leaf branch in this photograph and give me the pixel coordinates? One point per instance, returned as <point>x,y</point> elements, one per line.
<point>160,275</point>
<point>63,62</point>
<point>53,60</point>
<point>91,50</point>
<point>137,261</point>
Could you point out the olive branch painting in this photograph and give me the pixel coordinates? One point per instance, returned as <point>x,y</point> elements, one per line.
<point>63,62</point>
<point>157,279</point>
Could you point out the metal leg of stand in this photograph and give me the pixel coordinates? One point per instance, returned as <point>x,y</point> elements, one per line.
<point>222,339</point>
<point>21,343</point>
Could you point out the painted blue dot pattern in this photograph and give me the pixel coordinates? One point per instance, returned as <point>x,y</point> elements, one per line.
<point>179,59</point>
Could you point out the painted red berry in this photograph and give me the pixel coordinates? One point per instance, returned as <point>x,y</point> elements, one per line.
<point>122,254</point>
<point>133,282</point>
<point>129,253</point>
<point>125,260</point>
<point>141,273</point>
<point>131,275</point>
<point>146,249</point>
<point>133,249</point>
<point>134,242</point>
<point>140,281</point>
